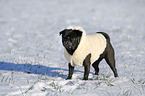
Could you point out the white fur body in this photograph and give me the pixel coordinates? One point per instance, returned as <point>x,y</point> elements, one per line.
<point>94,44</point>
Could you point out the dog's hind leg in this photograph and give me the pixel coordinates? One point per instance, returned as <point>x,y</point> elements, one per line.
<point>110,59</point>
<point>96,66</point>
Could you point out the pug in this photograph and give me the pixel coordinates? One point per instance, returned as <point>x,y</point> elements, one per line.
<point>85,50</point>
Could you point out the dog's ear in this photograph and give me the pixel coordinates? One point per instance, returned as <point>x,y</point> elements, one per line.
<point>78,32</point>
<point>62,32</point>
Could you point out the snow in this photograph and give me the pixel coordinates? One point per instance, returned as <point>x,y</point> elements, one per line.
<point>31,53</point>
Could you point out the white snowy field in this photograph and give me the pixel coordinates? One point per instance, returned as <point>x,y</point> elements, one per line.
<point>31,53</point>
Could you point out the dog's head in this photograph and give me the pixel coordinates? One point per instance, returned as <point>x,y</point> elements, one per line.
<point>71,39</point>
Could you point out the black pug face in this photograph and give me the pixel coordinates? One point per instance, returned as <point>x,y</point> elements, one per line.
<point>71,39</point>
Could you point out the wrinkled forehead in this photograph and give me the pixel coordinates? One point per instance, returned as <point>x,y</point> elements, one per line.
<point>69,33</point>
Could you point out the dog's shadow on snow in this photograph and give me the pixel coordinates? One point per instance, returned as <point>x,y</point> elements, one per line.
<point>34,69</point>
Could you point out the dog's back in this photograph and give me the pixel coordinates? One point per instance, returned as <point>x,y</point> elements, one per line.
<point>94,44</point>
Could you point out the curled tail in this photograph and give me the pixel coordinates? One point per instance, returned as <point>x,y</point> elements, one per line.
<point>105,35</point>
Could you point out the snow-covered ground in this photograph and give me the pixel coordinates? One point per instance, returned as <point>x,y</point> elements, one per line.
<point>31,54</point>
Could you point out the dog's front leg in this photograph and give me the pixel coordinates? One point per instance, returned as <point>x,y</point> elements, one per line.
<point>86,64</point>
<point>71,70</point>
<point>87,71</point>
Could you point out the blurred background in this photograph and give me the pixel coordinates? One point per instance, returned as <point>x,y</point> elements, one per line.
<point>31,28</point>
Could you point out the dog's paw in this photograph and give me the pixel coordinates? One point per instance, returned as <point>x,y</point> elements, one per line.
<point>68,78</point>
<point>96,73</point>
<point>85,79</point>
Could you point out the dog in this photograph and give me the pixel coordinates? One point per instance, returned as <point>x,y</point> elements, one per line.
<point>84,50</point>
